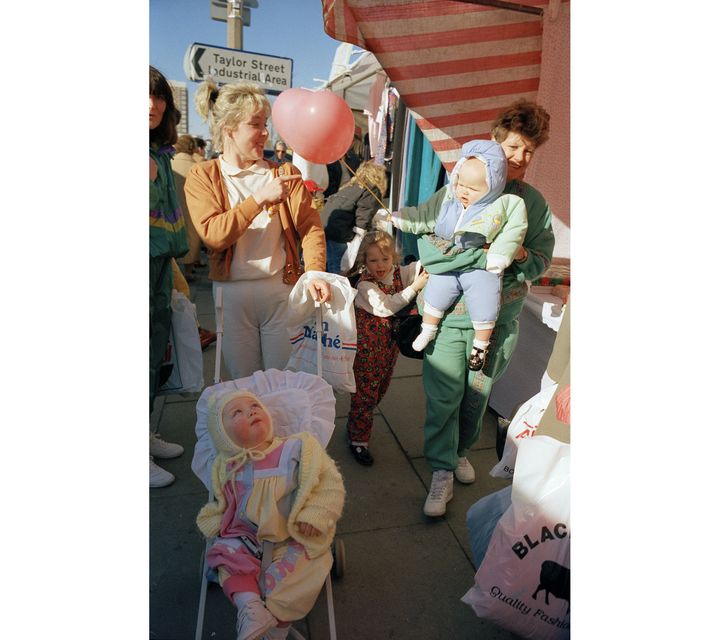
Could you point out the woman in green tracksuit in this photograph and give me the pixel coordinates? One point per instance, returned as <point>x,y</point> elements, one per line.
<point>456,398</point>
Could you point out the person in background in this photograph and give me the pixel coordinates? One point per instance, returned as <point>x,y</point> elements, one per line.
<point>168,240</point>
<point>255,217</point>
<point>334,170</point>
<point>338,173</point>
<point>183,159</point>
<point>281,155</point>
<point>384,288</point>
<point>456,398</point>
<point>199,153</point>
<point>181,285</point>
<point>353,157</point>
<point>352,207</point>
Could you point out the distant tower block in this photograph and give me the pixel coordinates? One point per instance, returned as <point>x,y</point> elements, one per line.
<point>180,95</point>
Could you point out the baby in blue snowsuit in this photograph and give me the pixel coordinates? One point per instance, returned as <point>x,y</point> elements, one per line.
<point>475,214</point>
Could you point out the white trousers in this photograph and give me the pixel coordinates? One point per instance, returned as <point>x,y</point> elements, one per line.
<point>255,325</point>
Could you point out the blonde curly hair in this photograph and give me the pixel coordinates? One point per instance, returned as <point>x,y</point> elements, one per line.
<point>370,174</point>
<point>225,107</point>
<point>185,144</point>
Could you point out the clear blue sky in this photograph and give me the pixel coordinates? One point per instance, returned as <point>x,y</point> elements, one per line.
<point>286,28</point>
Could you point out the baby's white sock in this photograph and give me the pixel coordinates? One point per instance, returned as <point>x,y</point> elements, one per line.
<point>481,344</point>
<point>427,335</point>
<point>245,598</point>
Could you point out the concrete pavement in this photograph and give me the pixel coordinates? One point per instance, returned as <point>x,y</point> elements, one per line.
<point>405,573</point>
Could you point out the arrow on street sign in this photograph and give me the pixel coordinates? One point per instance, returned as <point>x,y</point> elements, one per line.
<point>272,73</point>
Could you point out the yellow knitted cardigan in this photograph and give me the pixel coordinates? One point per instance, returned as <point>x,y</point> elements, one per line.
<point>319,500</point>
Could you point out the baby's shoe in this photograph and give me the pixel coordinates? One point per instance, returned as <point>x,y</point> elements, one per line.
<point>425,337</point>
<point>254,621</point>
<point>476,359</point>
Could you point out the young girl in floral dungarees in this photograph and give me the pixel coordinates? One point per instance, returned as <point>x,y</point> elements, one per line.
<point>384,288</point>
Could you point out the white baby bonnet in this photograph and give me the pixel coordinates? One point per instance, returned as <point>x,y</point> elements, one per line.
<point>297,401</point>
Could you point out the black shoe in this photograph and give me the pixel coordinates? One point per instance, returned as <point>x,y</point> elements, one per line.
<point>476,359</point>
<point>362,455</point>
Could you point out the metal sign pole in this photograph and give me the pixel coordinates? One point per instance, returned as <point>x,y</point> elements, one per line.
<point>234,24</point>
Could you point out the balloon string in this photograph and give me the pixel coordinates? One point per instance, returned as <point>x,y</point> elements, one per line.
<point>372,193</point>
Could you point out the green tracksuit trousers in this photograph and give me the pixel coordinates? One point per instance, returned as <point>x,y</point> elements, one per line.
<point>160,317</point>
<point>456,398</point>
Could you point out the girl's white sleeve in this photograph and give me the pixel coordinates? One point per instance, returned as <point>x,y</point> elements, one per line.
<point>371,298</point>
<point>409,272</point>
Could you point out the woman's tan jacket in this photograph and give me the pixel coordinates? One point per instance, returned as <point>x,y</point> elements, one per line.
<point>220,225</point>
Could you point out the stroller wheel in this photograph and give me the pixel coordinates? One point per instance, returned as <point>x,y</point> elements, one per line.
<point>338,551</point>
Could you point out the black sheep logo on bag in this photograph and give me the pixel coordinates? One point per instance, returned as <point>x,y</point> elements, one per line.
<point>555,579</point>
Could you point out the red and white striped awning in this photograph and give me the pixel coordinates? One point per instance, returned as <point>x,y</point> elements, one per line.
<point>454,63</point>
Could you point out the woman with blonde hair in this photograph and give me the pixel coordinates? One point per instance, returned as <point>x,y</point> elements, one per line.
<point>353,206</point>
<point>256,218</point>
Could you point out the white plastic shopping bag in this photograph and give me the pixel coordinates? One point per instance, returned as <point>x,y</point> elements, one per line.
<point>337,334</point>
<point>523,425</point>
<point>523,582</point>
<point>348,258</point>
<point>185,350</point>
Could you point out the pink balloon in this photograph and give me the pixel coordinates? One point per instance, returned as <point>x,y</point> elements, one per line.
<point>318,125</point>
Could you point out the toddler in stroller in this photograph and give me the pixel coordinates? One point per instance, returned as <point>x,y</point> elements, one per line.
<point>282,489</point>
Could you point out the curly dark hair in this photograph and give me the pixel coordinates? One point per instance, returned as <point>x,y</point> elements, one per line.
<point>525,118</point>
<point>166,131</point>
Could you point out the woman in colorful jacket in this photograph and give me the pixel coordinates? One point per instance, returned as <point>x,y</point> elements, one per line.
<point>256,218</point>
<point>456,398</point>
<point>168,240</point>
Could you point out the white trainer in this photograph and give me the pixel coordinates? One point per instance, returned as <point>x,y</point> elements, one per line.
<point>164,450</point>
<point>159,477</point>
<point>254,621</point>
<point>464,471</point>
<point>441,492</point>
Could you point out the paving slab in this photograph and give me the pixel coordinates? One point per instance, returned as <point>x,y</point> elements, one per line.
<point>407,367</point>
<point>464,495</point>
<point>387,494</point>
<point>404,583</point>
<point>176,548</point>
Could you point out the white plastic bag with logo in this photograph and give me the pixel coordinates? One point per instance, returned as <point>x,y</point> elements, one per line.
<point>523,582</point>
<point>185,353</point>
<point>336,333</point>
<point>524,424</point>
